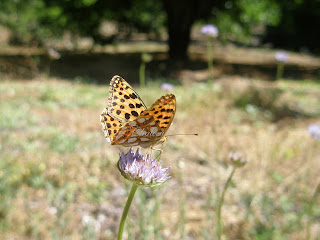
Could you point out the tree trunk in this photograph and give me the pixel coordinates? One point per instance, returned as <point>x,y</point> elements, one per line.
<point>179,39</point>
<point>181,14</point>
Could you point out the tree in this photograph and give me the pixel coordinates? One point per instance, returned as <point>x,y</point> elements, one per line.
<point>181,14</point>
<point>298,27</point>
<point>40,20</point>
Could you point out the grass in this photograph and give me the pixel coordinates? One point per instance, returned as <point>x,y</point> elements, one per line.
<point>58,175</point>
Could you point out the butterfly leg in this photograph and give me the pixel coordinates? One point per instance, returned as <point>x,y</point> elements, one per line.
<point>157,149</point>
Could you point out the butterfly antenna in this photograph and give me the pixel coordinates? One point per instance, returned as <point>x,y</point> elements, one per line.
<point>183,134</point>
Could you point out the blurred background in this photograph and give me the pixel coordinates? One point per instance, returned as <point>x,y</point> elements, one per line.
<point>246,78</point>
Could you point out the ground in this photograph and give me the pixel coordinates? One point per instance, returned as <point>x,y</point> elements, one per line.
<point>58,174</point>
<point>59,179</point>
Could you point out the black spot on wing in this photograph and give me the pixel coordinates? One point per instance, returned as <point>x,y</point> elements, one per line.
<point>133,95</point>
<point>134,113</point>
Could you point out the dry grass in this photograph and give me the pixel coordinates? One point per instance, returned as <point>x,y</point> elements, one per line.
<point>57,169</point>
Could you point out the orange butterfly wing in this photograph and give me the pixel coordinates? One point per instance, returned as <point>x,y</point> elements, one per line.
<point>127,122</point>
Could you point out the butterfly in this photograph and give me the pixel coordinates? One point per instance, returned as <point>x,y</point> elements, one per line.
<point>126,120</point>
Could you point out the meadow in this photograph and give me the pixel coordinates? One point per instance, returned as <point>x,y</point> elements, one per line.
<point>59,179</point>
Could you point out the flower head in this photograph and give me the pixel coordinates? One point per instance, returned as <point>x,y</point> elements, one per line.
<point>281,56</point>
<point>167,87</point>
<point>314,131</point>
<point>210,30</point>
<point>236,160</point>
<point>146,57</point>
<point>142,170</point>
<point>53,54</point>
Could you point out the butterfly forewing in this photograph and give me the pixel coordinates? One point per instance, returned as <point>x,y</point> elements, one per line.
<point>124,103</point>
<point>110,125</point>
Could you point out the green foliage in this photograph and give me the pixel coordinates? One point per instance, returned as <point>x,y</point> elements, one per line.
<point>289,23</point>
<point>38,20</point>
<point>254,12</point>
<point>238,20</point>
<point>10,180</point>
<point>297,27</point>
<point>22,17</point>
<point>146,16</point>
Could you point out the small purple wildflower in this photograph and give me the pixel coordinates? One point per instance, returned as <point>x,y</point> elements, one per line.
<point>281,56</point>
<point>53,54</point>
<point>142,170</point>
<point>314,131</point>
<point>236,160</point>
<point>167,87</point>
<point>210,30</point>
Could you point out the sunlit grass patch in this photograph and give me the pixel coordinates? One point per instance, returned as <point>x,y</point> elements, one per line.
<point>57,140</point>
<point>15,115</point>
<point>275,101</point>
<point>304,95</point>
<point>57,169</point>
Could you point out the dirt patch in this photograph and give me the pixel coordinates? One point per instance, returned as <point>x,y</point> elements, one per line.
<point>100,63</point>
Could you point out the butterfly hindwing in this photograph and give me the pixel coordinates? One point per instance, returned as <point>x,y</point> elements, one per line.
<point>143,131</point>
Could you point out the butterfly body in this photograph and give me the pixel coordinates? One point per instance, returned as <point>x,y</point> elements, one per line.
<point>126,121</point>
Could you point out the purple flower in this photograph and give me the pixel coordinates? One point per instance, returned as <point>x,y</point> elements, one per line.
<point>142,170</point>
<point>314,131</point>
<point>281,56</point>
<point>167,87</point>
<point>53,54</point>
<point>236,160</point>
<point>210,30</point>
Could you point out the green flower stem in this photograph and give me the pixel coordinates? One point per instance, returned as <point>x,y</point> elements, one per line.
<point>126,210</point>
<point>280,68</point>
<point>310,209</point>
<point>210,58</point>
<point>219,227</point>
<point>142,74</point>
